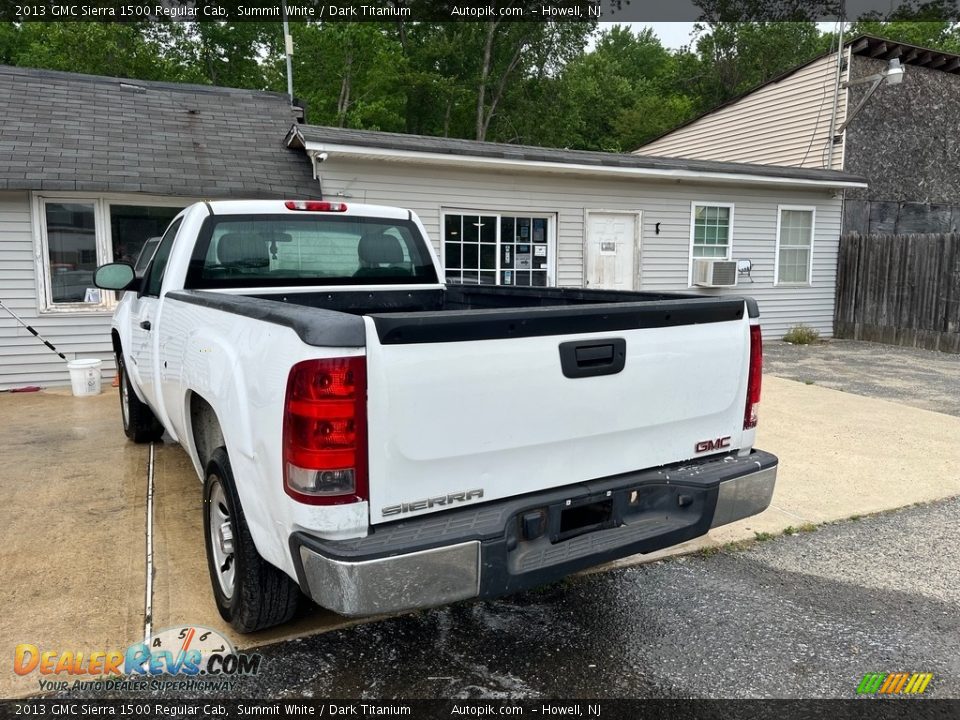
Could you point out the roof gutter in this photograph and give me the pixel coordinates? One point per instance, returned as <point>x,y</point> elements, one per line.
<point>314,149</point>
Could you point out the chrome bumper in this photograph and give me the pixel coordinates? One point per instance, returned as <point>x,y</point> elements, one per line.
<point>374,587</point>
<point>485,551</point>
<point>744,496</point>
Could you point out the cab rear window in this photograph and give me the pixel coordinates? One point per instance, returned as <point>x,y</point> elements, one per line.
<point>316,249</point>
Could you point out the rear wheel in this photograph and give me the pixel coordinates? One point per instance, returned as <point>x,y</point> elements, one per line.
<point>251,593</point>
<point>139,422</point>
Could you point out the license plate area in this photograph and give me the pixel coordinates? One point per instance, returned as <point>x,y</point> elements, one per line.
<point>584,517</point>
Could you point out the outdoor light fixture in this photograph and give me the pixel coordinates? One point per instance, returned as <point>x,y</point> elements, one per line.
<point>893,75</point>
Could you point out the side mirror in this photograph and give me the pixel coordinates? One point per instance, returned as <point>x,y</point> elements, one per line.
<point>114,276</point>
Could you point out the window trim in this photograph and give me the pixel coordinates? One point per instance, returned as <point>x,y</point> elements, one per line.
<point>694,204</point>
<point>552,225</point>
<point>776,253</point>
<point>102,233</point>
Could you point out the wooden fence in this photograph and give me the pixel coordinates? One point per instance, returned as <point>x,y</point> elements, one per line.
<point>900,290</point>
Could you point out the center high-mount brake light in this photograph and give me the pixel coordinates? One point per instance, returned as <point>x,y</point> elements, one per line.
<point>316,205</point>
<point>325,431</point>
<point>753,379</point>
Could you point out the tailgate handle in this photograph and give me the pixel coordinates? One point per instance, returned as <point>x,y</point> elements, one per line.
<point>593,357</point>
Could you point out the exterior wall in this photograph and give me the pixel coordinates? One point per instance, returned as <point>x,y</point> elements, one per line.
<point>24,360</point>
<point>783,123</point>
<point>906,142</point>
<point>664,257</point>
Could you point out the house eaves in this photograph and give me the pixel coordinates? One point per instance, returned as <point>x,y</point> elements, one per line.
<point>324,142</point>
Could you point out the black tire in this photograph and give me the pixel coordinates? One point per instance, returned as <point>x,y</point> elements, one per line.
<point>259,595</point>
<point>139,422</point>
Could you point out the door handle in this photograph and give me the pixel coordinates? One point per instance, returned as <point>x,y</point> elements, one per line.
<point>145,324</point>
<point>589,358</point>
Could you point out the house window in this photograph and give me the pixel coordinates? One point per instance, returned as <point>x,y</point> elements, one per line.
<point>794,245</point>
<point>71,254</point>
<point>498,249</point>
<point>78,233</point>
<point>712,230</point>
<point>132,225</point>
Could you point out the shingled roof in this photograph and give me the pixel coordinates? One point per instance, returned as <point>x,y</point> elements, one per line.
<point>438,148</point>
<point>65,131</point>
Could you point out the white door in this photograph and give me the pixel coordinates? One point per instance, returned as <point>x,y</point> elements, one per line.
<point>612,250</point>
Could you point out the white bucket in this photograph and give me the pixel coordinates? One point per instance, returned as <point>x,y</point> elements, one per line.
<point>85,376</point>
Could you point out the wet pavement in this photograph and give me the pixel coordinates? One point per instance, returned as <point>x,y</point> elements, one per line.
<point>922,378</point>
<point>804,615</point>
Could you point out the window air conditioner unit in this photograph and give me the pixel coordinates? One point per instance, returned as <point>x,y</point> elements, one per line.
<point>714,273</point>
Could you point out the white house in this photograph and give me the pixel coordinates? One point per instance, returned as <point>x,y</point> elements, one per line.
<point>90,167</point>
<point>510,214</point>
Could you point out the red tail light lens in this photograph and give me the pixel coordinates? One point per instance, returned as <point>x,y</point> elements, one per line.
<point>753,381</point>
<point>325,431</point>
<point>316,205</point>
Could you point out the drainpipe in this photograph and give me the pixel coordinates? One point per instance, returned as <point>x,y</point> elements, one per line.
<point>288,49</point>
<point>836,98</point>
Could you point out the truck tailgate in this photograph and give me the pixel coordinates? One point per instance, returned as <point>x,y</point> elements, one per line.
<point>467,407</point>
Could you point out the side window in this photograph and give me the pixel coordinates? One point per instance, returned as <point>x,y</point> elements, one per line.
<point>160,257</point>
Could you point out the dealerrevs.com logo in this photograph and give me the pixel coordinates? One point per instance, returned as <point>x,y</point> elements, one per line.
<point>187,657</point>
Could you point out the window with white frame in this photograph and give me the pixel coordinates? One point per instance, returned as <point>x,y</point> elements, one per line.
<point>794,245</point>
<point>712,230</point>
<point>77,233</point>
<point>498,248</point>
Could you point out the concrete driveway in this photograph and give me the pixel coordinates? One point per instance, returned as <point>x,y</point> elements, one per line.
<point>72,564</point>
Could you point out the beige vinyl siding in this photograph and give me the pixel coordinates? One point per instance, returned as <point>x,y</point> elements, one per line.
<point>784,123</point>
<point>664,258</point>
<point>24,360</point>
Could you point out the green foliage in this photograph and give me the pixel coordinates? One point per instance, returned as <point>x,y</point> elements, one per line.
<point>556,84</point>
<point>735,57</point>
<point>933,34</point>
<point>802,335</point>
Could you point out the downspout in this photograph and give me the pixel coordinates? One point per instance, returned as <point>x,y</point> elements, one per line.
<point>836,98</point>
<point>316,159</point>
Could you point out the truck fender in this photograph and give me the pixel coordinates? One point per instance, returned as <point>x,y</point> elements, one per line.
<point>212,370</point>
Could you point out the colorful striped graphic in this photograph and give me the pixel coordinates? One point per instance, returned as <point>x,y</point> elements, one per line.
<point>894,683</point>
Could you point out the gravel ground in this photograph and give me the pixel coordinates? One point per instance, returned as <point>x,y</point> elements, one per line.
<point>799,616</point>
<point>922,378</point>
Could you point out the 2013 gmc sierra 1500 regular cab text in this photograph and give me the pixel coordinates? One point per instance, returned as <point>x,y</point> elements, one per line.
<point>385,441</point>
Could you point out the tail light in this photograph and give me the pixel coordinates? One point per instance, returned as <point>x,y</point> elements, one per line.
<point>325,431</point>
<point>753,379</point>
<point>316,205</point>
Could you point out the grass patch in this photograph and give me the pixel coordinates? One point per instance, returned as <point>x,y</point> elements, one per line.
<point>763,536</point>
<point>790,530</point>
<point>802,335</point>
<point>808,382</point>
<point>808,527</point>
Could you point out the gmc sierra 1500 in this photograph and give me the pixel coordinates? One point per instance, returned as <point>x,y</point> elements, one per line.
<point>385,441</point>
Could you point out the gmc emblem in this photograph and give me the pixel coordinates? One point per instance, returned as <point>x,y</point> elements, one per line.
<point>718,444</point>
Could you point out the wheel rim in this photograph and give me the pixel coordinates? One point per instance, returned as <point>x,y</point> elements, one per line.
<point>221,537</point>
<point>124,398</point>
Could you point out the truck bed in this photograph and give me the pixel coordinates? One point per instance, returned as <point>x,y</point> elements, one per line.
<point>468,312</point>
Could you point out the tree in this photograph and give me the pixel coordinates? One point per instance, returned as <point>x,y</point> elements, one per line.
<point>737,56</point>
<point>122,49</point>
<point>623,92</point>
<point>348,75</point>
<point>940,35</point>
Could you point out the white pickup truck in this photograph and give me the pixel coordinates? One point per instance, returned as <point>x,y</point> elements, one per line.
<point>385,441</point>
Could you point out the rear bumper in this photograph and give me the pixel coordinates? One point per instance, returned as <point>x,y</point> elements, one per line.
<point>505,546</point>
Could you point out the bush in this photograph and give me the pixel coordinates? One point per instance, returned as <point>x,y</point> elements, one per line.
<point>802,335</point>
